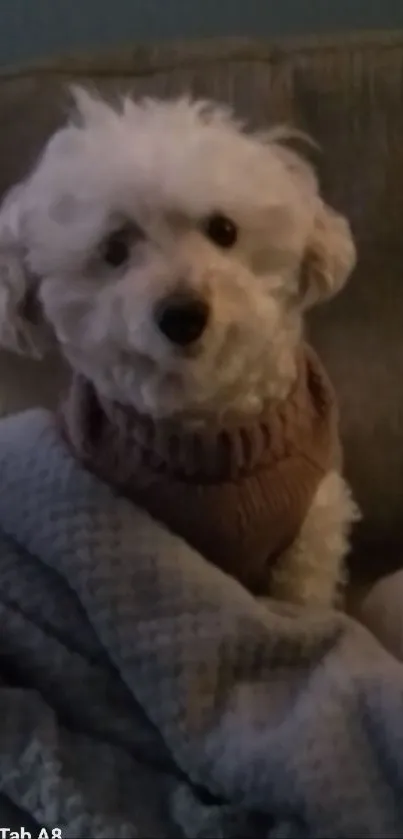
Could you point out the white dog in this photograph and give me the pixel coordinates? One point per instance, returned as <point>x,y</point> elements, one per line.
<point>172,254</point>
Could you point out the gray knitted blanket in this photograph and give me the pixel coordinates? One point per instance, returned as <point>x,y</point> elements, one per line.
<point>145,694</point>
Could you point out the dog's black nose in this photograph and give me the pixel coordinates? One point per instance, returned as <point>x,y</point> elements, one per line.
<point>182,318</point>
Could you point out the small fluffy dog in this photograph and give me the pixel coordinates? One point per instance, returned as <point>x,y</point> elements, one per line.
<point>172,255</point>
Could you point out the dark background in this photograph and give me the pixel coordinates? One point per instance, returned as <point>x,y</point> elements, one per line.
<point>37,28</point>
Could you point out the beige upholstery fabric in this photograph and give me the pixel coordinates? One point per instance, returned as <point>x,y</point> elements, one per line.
<point>348,94</point>
<point>381,610</point>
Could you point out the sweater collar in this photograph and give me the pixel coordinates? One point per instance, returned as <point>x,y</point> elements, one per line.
<point>99,430</point>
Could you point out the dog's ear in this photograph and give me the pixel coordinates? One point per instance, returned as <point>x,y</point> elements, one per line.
<point>329,258</point>
<point>21,326</point>
<point>330,254</point>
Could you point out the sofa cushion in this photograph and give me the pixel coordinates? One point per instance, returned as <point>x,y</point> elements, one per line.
<point>381,610</point>
<point>347,93</point>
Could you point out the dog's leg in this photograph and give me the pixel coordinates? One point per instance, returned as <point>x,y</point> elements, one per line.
<point>312,571</point>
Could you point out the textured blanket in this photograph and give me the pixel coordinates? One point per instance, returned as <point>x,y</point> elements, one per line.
<point>145,694</point>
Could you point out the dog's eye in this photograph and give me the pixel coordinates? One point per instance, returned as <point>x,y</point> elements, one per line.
<point>116,249</point>
<point>221,230</point>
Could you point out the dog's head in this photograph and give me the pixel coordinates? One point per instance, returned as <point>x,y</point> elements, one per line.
<point>170,254</point>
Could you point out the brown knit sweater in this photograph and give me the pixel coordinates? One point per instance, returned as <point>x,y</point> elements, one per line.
<point>238,494</point>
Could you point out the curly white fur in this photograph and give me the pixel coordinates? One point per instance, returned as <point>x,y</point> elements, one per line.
<point>158,170</point>
<point>311,572</point>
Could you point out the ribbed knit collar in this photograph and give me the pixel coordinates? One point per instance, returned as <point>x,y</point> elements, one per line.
<point>102,431</point>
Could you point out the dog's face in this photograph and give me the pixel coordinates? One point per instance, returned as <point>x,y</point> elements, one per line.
<point>170,254</point>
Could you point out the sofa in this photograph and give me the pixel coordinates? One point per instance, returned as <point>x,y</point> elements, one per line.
<point>346,92</point>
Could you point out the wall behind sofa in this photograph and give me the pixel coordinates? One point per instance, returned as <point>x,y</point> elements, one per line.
<point>36,28</point>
